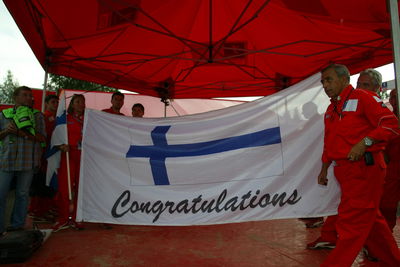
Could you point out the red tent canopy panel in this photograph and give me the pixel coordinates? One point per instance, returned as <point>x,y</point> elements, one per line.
<point>203,49</point>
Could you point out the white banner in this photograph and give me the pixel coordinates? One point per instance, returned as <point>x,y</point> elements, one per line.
<point>255,161</point>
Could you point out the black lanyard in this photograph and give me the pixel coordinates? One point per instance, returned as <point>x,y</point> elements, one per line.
<point>340,112</point>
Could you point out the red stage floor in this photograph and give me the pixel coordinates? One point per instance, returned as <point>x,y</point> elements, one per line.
<point>279,243</point>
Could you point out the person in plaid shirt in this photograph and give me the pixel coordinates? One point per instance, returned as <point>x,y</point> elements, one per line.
<point>20,155</point>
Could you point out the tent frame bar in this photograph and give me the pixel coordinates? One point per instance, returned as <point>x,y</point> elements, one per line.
<point>46,76</point>
<point>394,21</point>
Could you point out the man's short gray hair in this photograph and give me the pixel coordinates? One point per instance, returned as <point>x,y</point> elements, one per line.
<point>341,70</point>
<point>375,75</point>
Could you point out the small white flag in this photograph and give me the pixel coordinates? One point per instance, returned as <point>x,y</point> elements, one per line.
<point>59,137</point>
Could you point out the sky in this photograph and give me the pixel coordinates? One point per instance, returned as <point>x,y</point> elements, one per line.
<point>17,56</point>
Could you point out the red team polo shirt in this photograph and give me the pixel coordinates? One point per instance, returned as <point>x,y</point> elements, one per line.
<point>353,116</point>
<point>75,128</point>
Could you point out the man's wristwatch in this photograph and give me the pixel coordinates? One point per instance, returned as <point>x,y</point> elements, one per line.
<point>368,141</point>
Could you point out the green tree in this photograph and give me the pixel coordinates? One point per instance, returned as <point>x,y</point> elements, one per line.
<point>7,89</point>
<point>383,94</point>
<point>57,82</point>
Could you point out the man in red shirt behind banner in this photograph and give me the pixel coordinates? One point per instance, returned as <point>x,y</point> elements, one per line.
<point>357,128</point>
<point>391,195</point>
<point>117,101</point>
<point>371,80</point>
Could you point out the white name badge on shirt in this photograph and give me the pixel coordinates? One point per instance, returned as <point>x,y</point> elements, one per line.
<point>350,105</point>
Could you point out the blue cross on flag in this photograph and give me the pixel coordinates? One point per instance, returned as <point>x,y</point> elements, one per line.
<point>161,150</point>
<point>211,151</point>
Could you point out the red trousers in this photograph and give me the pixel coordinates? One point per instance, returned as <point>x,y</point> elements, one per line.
<point>359,220</point>
<point>388,207</point>
<point>63,196</point>
<point>390,200</point>
<point>328,230</point>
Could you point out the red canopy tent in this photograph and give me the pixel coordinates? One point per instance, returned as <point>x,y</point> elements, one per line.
<point>203,49</point>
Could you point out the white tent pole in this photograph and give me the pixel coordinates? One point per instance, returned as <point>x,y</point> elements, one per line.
<point>394,21</point>
<point>46,75</point>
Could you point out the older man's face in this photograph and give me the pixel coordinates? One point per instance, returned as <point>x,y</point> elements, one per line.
<point>332,83</point>
<point>365,82</point>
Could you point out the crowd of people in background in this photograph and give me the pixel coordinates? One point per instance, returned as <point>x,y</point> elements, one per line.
<point>117,101</point>
<point>361,139</point>
<point>23,160</point>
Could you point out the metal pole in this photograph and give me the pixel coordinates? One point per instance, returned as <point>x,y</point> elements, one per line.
<point>394,21</point>
<point>46,75</point>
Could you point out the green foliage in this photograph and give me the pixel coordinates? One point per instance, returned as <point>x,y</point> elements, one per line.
<point>57,82</point>
<point>7,89</point>
<point>383,94</point>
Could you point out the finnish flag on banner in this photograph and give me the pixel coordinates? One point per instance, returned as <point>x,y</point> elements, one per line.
<point>198,153</point>
<point>59,137</point>
<point>253,161</point>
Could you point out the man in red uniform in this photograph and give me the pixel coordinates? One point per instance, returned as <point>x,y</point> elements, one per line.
<point>391,191</point>
<point>369,80</point>
<point>117,101</point>
<point>357,127</point>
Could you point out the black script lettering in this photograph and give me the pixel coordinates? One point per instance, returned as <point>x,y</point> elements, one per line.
<point>220,200</point>
<point>279,199</point>
<point>145,207</point>
<point>134,207</point>
<point>158,208</point>
<point>170,204</point>
<point>182,206</point>
<point>125,203</point>
<point>265,198</point>
<point>195,202</point>
<point>230,204</point>
<point>206,206</point>
<point>293,198</point>
<point>244,197</point>
<point>123,200</point>
<point>251,205</point>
